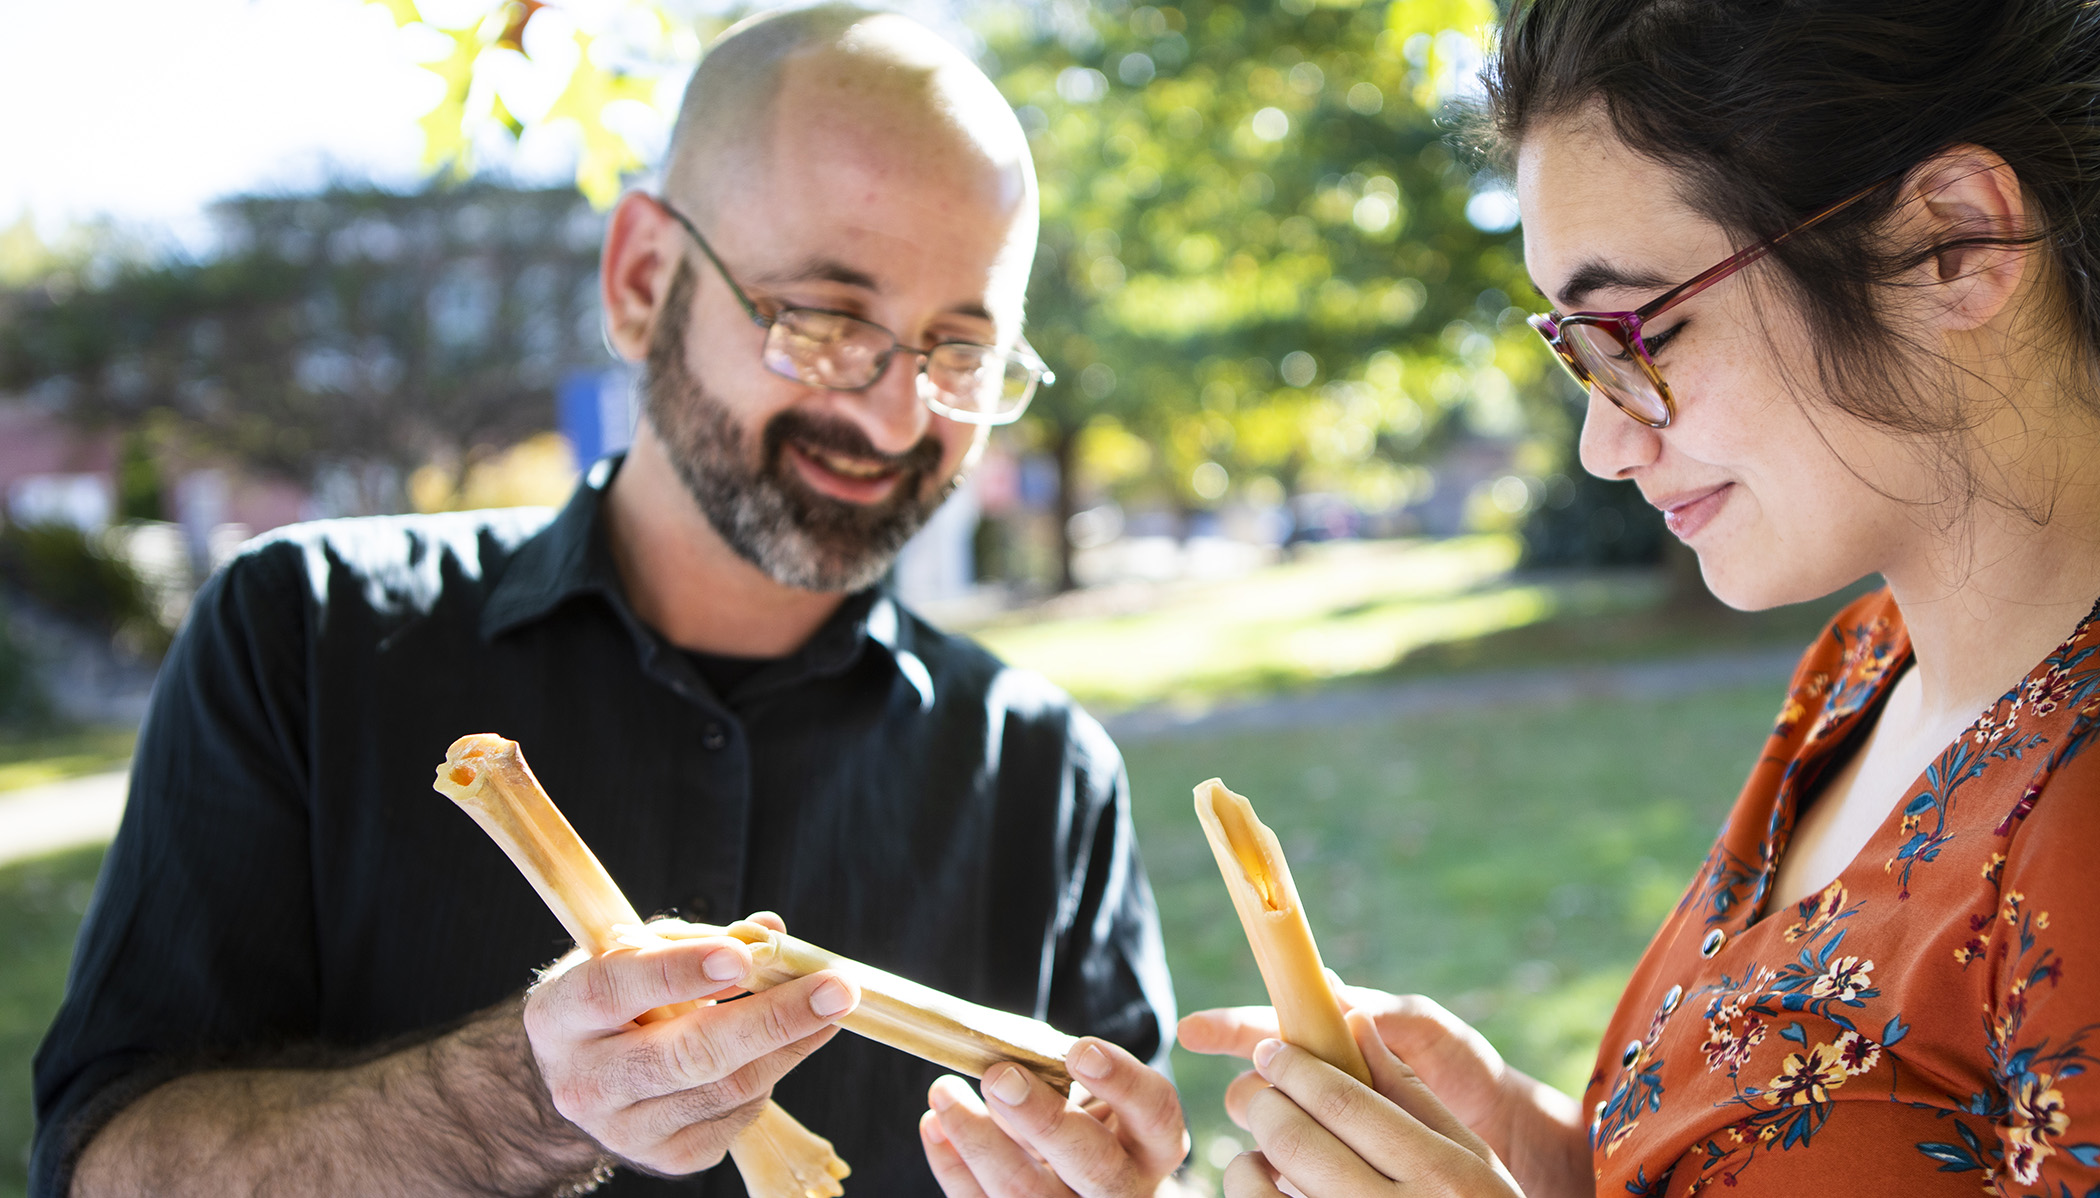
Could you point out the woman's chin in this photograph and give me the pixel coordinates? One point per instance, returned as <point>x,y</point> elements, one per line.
<point>1762,586</point>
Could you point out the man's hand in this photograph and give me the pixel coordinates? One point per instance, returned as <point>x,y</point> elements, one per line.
<point>1025,1140</point>
<point>668,1097</point>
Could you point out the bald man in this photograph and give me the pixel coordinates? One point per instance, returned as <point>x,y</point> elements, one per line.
<point>304,973</point>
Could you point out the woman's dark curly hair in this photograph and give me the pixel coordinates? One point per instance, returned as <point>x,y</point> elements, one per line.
<point>1769,110</point>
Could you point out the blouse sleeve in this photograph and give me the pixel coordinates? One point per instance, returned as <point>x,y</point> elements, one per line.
<point>2043,1030</point>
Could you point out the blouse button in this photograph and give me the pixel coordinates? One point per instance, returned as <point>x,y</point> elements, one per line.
<point>1671,999</point>
<point>1632,1054</point>
<point>713,737</point>
<point>1712,944</point>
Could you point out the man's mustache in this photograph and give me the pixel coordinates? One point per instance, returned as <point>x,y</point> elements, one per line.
<point>846,439</point>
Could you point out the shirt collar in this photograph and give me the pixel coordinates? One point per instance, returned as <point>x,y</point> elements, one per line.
<point>572,557</point>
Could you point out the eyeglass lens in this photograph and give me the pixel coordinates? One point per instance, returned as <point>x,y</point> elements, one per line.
<point>842,353</point>
<point>1616,369</point>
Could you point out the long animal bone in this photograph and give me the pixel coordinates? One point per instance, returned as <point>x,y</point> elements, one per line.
<point>779,1158</point>
<point>1259,879</point>
<point>488,777</point>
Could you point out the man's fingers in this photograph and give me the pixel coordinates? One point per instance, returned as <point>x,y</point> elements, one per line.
<point>711,1043</point>
<point>606,993</point>
<point>949,1170</point>
<point>1227,1031</point>
<point>721,1098</point>
<point>998,1165</point>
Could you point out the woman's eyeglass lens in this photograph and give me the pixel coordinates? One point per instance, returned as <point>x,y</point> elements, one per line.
<point>1602,352</point>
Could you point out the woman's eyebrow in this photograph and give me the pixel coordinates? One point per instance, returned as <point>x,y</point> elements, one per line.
<point>1596,275</point>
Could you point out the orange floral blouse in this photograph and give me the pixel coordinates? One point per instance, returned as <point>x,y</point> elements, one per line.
<point>1925,1025</point>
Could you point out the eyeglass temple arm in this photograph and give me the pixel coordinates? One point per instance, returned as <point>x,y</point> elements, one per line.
<point>744,301</point>
<point>1707,278</point>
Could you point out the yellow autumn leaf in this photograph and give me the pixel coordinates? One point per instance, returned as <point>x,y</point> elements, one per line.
<point>403,11</point>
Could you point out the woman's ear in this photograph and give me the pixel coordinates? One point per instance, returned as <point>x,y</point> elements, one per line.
<point>1967,200</point>
<point>635,272</point>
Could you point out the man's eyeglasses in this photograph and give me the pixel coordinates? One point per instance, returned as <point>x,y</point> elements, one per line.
<point>975,384</point>
<point>1604,350</point>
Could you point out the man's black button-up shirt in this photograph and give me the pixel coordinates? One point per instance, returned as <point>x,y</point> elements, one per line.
<point>286,881</point>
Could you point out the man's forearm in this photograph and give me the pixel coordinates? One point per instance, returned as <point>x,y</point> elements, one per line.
<point>463,1114</point>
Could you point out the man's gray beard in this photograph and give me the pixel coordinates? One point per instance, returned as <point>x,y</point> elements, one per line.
<point>768,514</point>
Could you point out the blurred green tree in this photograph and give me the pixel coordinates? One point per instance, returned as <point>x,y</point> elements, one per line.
<point>1262,265</point>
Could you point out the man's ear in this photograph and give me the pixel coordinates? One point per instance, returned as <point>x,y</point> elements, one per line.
<point>635,273</point>
<point>1957,198</point>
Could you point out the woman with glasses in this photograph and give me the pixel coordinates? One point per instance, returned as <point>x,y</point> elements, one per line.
<point>1830,273</point>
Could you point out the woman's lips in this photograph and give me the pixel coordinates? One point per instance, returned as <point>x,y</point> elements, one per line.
<point>1688,513</point>
<point>854,480</point>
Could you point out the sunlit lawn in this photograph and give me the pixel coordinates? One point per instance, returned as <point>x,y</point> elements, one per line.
<point>1363,611</point>
<point>1510,861</point>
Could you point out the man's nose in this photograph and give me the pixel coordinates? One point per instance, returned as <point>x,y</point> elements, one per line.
<point>893,415</point>
<point>1613,444</point>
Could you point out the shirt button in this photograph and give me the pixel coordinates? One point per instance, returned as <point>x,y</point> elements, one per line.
<point>1713,942</point>
<point>713,737</point>
<point>1671,999</point>
<point>1632,1054</point>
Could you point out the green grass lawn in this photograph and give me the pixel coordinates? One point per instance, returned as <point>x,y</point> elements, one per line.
<point>34,758</point>
<point>41,903</point>
<point>1511,862</point>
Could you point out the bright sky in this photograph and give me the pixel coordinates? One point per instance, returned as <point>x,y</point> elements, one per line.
<point>145,109</point>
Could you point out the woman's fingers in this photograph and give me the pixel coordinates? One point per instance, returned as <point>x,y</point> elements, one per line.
<point>949,1169</point>
<point>1323,1129</point>
<point>1330,1134</point>
<point>997,1164</point>
<point>1250,1176</point>
<point>1243,1088</point>
<point>1392,1077</point>
<point>1227,1031</point>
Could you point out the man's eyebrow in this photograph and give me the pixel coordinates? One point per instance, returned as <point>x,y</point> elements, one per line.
<point>821,270</point>
<point>1594,276</point>
<point>831,270</point>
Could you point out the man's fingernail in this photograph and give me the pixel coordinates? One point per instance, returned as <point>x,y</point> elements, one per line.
<point>830,998</point>
<point>1265,1052</point>
<point>1009,1087</point>
<point>1090,1062</point>
<point>724,965</point>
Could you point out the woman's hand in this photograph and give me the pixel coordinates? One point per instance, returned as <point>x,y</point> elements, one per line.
<point>1326,1134</point>
<point>1531,1127</point>
<point>1025,1140</point>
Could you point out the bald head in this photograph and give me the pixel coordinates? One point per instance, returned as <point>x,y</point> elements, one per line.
<point>835,76</point>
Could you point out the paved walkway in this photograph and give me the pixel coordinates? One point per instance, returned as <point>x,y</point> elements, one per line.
<point>61,815</point>
<point>45,819</point>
